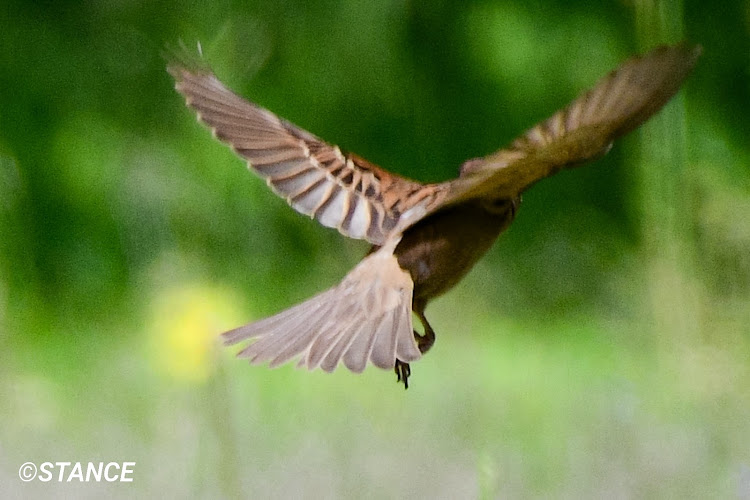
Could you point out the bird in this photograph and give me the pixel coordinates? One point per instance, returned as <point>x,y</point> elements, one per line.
<point>425,237</point>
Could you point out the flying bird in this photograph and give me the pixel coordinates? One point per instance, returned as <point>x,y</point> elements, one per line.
<point>425,237</point>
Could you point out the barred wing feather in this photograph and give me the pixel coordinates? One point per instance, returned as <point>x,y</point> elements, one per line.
<point>341,191</point>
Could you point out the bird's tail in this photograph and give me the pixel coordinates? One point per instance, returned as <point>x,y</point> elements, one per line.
<point>366,316</point>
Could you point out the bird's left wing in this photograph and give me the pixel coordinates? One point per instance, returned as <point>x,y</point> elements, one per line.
<point>339,190</point>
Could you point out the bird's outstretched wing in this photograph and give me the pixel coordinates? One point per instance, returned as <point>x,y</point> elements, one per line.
<point>583,131</point>
<point>339,190</point>
<point>364,201</point>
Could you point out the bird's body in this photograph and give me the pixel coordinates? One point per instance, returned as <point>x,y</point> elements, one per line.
<point>439,250</point>
<point>425,237</point>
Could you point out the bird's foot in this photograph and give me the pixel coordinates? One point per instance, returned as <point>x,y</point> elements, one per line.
<point>424,342</point>
<point>403,371</point>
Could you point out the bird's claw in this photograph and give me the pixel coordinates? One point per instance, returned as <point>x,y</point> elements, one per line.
<point>424,342</point>
<point>403,371</point>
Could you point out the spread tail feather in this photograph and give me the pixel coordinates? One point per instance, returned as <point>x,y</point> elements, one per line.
<point>366,316</point>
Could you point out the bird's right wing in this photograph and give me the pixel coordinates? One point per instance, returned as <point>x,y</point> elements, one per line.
<point>584,130</point>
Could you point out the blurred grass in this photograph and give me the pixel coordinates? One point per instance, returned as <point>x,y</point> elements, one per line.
<point>600,350</point>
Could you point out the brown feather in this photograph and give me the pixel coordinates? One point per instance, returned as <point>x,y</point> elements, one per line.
<point>584,130</point>
<point>340,190</point>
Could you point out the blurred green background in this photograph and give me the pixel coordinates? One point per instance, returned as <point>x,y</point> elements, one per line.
<point>601,349</point>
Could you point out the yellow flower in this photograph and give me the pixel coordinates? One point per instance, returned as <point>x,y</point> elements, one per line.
<point>185,324</point>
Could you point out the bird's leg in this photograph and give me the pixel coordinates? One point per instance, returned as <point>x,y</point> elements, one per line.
<point>424,343</point>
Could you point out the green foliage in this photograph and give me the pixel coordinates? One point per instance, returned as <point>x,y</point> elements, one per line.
<point>600,350</point>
